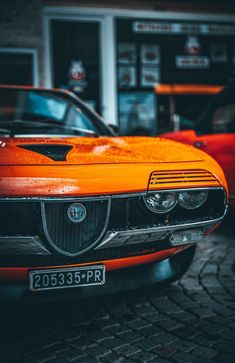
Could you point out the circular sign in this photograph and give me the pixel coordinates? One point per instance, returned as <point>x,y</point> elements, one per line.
<point>76,212</point>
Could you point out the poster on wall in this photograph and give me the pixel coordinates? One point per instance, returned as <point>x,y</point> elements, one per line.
<point>126,77</point>
<point>150,54</point>
<point>219,53</point>
<point>127,53</point>
<point>150,76</point>
<point>137,113</point>
<point>77,76</point>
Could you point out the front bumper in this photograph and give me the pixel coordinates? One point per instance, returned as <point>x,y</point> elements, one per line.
<point>116,281</point>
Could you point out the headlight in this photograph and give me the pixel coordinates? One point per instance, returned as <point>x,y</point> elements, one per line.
<point>161,202</point>
<point>193,199</point>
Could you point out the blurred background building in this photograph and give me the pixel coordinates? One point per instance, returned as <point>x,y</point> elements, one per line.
<point>135,62</point>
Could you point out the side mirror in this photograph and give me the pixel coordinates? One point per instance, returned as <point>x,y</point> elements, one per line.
<point>114,128</point>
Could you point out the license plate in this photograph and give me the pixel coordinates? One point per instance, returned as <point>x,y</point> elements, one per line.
<point>62,278</point>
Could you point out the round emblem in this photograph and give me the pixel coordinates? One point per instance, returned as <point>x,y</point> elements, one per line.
<point>76,212</point>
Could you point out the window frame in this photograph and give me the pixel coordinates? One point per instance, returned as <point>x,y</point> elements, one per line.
<point>35,64</point>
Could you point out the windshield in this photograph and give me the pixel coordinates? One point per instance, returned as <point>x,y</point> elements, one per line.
<point>46,112</point>
<point>219,116</point>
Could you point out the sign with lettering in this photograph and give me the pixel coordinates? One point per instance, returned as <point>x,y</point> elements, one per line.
<point>193,62</point>
<point>183,28</point>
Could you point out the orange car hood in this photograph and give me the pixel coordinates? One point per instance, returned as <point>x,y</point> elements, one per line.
<point>88,151</point>
<point>94,166</point>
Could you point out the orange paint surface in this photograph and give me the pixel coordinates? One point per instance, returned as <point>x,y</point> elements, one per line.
<point>21,273</point>
<point>187,89</point>
<point>96,166</point>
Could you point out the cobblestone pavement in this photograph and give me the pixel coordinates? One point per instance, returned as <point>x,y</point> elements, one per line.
<point>190,321</point>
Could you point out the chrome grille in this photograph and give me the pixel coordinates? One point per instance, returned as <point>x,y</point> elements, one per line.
<point>122,216</point>
<point>72,239</point>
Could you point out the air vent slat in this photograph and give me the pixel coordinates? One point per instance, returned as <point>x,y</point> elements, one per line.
<point>179,178</point>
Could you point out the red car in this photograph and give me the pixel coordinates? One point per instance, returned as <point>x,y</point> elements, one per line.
<point>215,134</point>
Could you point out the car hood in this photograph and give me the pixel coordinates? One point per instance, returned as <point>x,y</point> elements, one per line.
<point>88,151</point>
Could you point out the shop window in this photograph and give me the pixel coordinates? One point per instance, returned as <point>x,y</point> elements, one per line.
<point>76,59</point>
<point>18,67</point>
<point>152,52</point>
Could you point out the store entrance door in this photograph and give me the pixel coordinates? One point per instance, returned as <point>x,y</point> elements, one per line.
<point>76,59</point>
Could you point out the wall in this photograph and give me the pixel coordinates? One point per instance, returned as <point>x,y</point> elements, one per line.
<point>21,26</point>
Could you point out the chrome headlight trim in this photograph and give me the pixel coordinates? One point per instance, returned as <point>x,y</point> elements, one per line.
<point>183,198</point>
<point>159,209</point>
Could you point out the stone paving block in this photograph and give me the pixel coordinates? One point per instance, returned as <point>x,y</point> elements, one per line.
<point>225,346</point>
<point>72,355</point>
<point>183,357</point>
<point>82,342</point>
<point>156,318</point>
<point>212,329</point>
<point>164,338</point>
<point>144,357</point>
<point>185,346</point>
<point>113,343</point>
<point>204,360</point>
<point>165,351</point>
<point>130,336</point>
<point>105,323</point>
<point>97,334</point>
<point>185,332</point>
<point>112,358</point>
<point>206,340</point>
<point>205,352</point>
<point>226,358</point>
<point>127,350</point>
<point>150,330</point>
<point>117,329</point>
<point>170,324</point>
<point>144,310</point>
<point>147,344</point>
<point>138,324</point>
<point>202,313</point>
<point>98,351</point>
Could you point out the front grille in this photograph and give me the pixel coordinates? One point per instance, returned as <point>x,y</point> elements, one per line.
<point>19,218</point>
<point>69,237</point>
<point>132,213</point>
<point>47,220</point>
<point>179,178</point>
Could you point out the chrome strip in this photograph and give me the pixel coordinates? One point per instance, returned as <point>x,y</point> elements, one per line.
<point>44,224</point>
<point>111,235</point>
<point>18,245</point>
<point>99,197</point>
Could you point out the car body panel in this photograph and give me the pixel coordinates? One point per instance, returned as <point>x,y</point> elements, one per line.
<point>94,166</point>
<point>220,146</point>
<point>21,274</point>
<point>108,179</point>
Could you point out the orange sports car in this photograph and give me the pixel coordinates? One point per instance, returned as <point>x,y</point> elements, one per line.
<point>84,212</point>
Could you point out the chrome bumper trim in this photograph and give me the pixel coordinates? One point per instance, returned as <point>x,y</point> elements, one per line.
<point>145,235</point>
<point>20,245</point>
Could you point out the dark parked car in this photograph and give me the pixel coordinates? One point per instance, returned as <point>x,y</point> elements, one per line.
<point>215,134</point>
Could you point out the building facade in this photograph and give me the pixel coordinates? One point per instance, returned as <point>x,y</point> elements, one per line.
<point>115,54</point>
